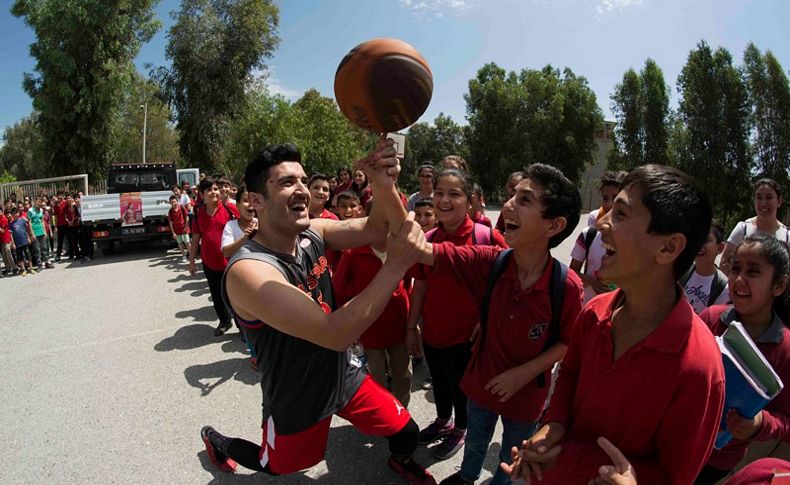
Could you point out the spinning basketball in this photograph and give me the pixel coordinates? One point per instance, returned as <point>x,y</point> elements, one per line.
<point>383,85</point>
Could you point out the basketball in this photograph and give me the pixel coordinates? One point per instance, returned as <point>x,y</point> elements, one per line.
<point>383,85</point>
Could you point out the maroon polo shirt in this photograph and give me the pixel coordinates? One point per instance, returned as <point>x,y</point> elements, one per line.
<point>774,344</point>
<point>448,315</point>
<point>517,328</point>
<point>660,402</point>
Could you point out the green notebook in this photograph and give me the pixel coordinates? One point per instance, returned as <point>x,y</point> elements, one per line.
<point>752,359</point>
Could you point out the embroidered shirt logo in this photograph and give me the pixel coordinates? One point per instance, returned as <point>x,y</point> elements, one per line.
<point>537,330</point>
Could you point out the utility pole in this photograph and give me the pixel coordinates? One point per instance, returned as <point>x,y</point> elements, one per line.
<point>144,107</point>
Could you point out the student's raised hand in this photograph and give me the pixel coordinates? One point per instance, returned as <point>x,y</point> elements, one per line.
<point>381,165</point>
<point>619,473</point>
<point>744,428</point>
<point>404,248</point>
<point>536,454</point>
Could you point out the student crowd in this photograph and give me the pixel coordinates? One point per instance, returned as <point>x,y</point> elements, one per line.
<point>626,331</point>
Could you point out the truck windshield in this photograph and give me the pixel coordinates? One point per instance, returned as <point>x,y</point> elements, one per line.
<point>141,180</point>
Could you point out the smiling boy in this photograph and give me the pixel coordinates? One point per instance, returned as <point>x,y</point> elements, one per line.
<point>641,369</point>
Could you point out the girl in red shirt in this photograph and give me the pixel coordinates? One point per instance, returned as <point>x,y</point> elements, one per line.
<point>449,317</point>
<point>758,279</point>
<point>210,219</point>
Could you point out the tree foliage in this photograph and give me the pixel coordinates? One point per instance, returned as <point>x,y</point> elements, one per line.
<point>430,143</point>
<point>313,123</point>
<point>515,119</point>
<point>20,155</point>
<point>769,94</point>
<point>161,141</point>
<point>640,104</point>
<point>214,46</point>
<point>83,51</point>
<point>714,108</point>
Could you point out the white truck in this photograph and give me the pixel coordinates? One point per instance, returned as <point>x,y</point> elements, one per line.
<point>136,204</point>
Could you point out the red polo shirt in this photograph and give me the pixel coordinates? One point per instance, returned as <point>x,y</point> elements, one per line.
<point>660,402</point>
<point>179,218</point>
<point>448,315</point>
<point>517,324</point>
<point>774,344</point>
<point>354,273</point>
<point>60,215</point>
<point>5,237</point>
<point>210,229</point>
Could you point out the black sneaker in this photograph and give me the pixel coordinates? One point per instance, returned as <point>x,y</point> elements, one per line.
<point>455,479</point>
<point>411,471</point>
<point>209,435</point>
<point>436,431</point>
<point>451,444</point>
<point>222,328</point>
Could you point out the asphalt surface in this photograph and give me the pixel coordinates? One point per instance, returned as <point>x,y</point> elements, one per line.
<point>110,369</point>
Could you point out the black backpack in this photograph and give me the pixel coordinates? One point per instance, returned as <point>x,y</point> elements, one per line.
<point>588,239</point>
<point>716,287</point>
<point>559,273</point>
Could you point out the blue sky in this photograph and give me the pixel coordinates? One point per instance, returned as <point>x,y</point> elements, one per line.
<point>598,39</point>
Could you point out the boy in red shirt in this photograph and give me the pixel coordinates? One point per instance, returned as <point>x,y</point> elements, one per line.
<point>511,362</point>
<point>178,218</point>
<point>642,369</point>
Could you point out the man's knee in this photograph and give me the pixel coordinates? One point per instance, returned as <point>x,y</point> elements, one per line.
<point>404,442</point>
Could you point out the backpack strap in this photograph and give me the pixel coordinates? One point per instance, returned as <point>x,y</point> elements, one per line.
<point>230,213</point>
<point>497,268</point>
<point>588,240</point>
<point>717,286</point>
<point>559,273</point>
<point>687,275</point>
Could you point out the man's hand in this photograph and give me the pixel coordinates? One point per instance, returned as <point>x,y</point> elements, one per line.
<point>744,428</point>
<point>381,165</point>
<point>620,473</point>
<point>404,248</point>
<point>508,383</point>
<point>536,454</point>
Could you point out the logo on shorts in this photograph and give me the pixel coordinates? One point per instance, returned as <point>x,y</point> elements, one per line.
<point>398,406</point>
<point>537,330</point>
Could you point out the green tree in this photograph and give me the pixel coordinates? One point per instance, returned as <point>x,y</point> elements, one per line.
<point>431,143</point>
<point>83,51</point>
<point>714,108</point>
<point>20,153</point>
<point>769,94</point>
<point>214,46</point>
<point>161,141</point>
<point>640,104</point>
<point>547,116</point>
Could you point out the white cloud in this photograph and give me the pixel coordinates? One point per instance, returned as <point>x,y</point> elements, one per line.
<point>438,8</point>
<point>273,84</point>
<point>604,7</point>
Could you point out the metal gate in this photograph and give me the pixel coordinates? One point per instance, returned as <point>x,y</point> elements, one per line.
<point>45,187</point>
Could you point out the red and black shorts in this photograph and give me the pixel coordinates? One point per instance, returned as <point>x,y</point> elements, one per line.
<point>372,410</point>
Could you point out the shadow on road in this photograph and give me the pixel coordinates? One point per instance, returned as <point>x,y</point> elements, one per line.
<point>197,288</point>
<point>133,251</point>
<point>207,377</point>
<point>193,336</point>
<point>203,314</point>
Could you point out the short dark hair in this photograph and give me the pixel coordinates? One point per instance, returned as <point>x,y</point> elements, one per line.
<point>718,230</point>
<point>347,195</point>
<point>344,168</point>
<point>769,182</point>
<point>427,165</point>
<point>677,205</point>
<point>424,202</point>
<point>173,197</point>
<point>457,159</point>
<point>206,183</point>
<point>317,176</point>
<point>773,250</point>
<point>560,198</point>
<point>613,178</point>
<point>257,171</point>
<point>241,192</point>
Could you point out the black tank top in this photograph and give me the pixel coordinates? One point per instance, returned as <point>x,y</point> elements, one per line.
<point>302,382</point>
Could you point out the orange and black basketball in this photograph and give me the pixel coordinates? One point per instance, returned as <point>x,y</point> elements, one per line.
<point>383,85</point>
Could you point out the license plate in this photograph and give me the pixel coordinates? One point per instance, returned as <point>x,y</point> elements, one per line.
<point>128,231</point>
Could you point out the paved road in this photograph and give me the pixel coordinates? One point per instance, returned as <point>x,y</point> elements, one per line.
<point>111,368</point>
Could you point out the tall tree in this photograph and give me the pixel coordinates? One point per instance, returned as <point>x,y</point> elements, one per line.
<point>161,140</point>
<point>548,116</point>
<point>769,94</point>
<point>83,51</point>
<point>640,104</point>
<point>214,46</point>
<point>655,97</point>
<point>430,143</point>
<point>20,154</point>
<point>714,107</point>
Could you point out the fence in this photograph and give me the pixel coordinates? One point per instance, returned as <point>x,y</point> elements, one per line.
<point>49,187</point>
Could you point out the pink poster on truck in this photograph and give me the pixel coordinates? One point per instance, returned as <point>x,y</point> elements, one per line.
<point>131,209</point>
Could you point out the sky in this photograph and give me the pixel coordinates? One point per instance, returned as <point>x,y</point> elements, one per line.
<point>597,39</point>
